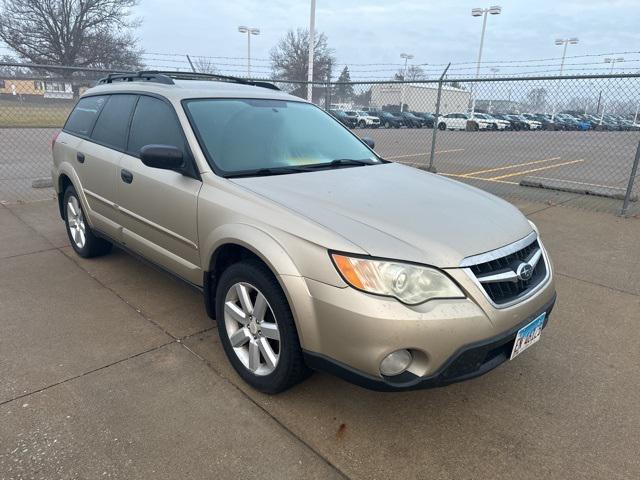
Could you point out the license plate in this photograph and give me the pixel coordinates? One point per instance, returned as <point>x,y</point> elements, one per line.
<point>527,336</point>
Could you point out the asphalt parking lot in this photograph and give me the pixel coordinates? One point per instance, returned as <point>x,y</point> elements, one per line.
<point>494,161</point>
<point>111,369</point>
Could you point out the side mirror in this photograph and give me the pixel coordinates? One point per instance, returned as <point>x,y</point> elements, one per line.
<point>370,143</point>
<point>165,157</point>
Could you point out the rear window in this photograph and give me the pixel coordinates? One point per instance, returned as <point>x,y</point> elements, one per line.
<point>111,127</point>
<point>84,115</point>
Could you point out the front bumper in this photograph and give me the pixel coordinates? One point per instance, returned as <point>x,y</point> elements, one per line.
<point>469,361</point>
<point>349,332</point>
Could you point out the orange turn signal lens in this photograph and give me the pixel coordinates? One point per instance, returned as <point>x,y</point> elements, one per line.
<point>346,269</point>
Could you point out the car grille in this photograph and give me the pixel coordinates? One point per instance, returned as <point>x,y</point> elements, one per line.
<point>513,287</point>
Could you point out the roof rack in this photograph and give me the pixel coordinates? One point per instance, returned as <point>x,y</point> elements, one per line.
<point>167,77</point>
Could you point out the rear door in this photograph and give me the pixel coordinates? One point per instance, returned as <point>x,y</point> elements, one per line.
<point>158,208</point>
<point>99,160</point>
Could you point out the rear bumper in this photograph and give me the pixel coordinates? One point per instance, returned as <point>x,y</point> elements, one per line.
<point>469,361</point>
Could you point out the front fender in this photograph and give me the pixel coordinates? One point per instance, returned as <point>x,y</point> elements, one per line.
<point>253,239</point>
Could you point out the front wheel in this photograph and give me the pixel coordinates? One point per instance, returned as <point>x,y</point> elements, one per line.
<point>387,125</point>
<point>362,124</point>
<point>257,329</point>
<point>442,126</point>
<point>82,239</point>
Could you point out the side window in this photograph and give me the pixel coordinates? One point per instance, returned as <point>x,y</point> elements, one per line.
<point>111,126</point>
<point>84,115</point>
<point>154,122</point>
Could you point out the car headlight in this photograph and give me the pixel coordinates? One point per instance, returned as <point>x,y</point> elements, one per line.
<point>411,284</point>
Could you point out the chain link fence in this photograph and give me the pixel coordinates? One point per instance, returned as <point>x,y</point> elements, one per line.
<point>568,140</point>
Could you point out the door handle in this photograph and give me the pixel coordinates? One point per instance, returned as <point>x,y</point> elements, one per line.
<point>80,157</point>
<point>126,175</point>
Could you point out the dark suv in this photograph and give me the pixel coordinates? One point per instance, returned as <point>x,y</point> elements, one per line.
<point>347,120</point>
<point>411,121</point>
<point>388,119</point>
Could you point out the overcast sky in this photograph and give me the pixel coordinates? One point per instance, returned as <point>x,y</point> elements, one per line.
<point>377,31</point>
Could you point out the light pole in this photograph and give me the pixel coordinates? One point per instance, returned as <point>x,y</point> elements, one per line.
<point>249,31</point>
<point>495,71</point>
<point>612,61</point>
<point>566,42</point>
<point>481,12</point>
<point>407,57</point>
<point>312,41</point>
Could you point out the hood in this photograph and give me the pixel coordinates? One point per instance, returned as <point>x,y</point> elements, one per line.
<point>394,211</point>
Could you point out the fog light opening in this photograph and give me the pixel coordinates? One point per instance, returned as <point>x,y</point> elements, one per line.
<point>395,363</point>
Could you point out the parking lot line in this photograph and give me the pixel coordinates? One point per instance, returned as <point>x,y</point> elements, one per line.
<point>426,153</point>
<point>536,169</point>
<point>457,175</point>
<point>514,165</point>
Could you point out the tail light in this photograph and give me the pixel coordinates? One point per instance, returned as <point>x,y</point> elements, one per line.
<point>54,137</point>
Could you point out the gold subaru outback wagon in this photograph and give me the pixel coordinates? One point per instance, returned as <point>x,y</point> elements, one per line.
<point>312,252</point>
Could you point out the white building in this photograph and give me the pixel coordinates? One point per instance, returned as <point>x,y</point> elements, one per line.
<point>420,97</point>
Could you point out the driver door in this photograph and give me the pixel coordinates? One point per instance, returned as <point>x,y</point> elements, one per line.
<point>158,208</point>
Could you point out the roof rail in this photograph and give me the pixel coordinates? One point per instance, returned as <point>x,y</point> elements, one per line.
<point>149,76</point>
<point>214,76</point>
<point>167,77</point>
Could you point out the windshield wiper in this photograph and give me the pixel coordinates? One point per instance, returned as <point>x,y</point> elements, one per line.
<point>341,162</point>
<point>263,172</point>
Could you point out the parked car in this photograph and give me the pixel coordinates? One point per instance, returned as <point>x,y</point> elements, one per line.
<point>294,230</point>
<point>350,121</point>
<point>458,121</point>
<point>573,122</point>
<point>493,123</point>
<point>428,119</point>
<point>389,120</point>
<point>515,123</point>
<point>411,121</point>
<point>531,119</point>
<point>547,122</point>
<point>364,119</point>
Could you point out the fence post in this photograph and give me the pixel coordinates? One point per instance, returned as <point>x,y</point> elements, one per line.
<point>632,177</point>
<point>431,168</point>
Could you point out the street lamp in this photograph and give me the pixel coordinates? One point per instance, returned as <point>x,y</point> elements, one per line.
<point>566,42</point>
<point>249,31</point>
<point>613,62</point>
<point>481,12</point>
<point>407,57</point>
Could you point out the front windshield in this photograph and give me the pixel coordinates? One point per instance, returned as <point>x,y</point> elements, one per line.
<point>244,135</point>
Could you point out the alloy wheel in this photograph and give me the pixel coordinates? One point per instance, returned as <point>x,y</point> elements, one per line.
<point>75,220</point>
<point>252,328</point>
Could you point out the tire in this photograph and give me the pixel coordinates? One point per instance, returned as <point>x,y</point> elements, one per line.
<point>81,237</point>
<point>286,366</point>
<point>362,124</point>
<point>387,125</point>
<point>442,126</point>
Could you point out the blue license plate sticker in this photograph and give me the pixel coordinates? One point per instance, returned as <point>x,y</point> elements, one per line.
<point>528,335</point>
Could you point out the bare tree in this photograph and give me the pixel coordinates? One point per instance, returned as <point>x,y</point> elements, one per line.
<point>8,71</point>
<point>414,72</point>
<point>77,33</point>
<point>290,57</point>
<point>537,99</point>
<point>204,65</point>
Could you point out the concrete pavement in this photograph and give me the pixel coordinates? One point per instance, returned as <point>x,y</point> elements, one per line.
<point>112,369</point>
